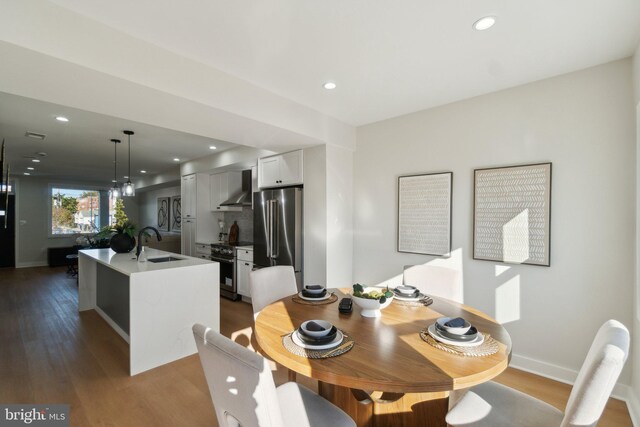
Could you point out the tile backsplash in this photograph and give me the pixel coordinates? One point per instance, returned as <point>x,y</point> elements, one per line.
<point>245,223</point>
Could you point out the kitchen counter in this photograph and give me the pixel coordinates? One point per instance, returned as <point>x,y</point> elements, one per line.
<point>152,306</point>
<point>127,263</point>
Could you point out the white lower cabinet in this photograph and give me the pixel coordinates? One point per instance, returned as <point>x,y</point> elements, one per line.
<point>188,237</point>
<point>244,265</point>
<point>203,250</point>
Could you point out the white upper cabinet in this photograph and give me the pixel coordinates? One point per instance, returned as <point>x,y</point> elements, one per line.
<point>189,199</point>
<point>280,170</point>
<point>223,186</point>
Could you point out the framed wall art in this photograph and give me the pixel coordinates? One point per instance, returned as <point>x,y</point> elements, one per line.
<point>424,213</point>
<point>512,214</point>
<point>163,214</point>
<point>176,214</point>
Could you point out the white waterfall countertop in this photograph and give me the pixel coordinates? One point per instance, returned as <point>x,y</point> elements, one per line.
<point>152,306</point>
<point>127,263</point>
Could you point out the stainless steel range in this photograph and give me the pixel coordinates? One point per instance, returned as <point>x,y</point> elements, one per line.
<point>224,253</point>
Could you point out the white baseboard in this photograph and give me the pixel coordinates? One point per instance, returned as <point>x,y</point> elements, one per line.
<point>634,407</point>
<point>568,376</point>
<point>32,264</point>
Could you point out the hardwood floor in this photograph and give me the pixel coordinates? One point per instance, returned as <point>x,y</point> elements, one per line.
<point>50,353</point>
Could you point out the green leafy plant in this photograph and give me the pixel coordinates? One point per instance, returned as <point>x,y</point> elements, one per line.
<point>121,225</point>
<point>358,291</point>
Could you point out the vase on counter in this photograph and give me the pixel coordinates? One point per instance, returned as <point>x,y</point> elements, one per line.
<point>122,243</point>
<point>234,233</point>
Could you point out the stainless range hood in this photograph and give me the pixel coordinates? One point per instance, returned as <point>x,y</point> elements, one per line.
<point>243,198</point>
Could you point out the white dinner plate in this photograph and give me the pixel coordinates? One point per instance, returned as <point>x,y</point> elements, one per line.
<point>326,296</point>
<point>436,336</point>
<point>420,297</point>
<point>336,342</point>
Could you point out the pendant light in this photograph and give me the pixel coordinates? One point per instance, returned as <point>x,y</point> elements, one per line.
<point>115,192</point>
<point>128,189</point>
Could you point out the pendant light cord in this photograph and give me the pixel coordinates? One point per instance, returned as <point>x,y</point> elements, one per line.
<point>115,163</point>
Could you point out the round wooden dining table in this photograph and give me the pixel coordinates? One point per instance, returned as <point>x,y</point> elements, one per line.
<point>391,377</point>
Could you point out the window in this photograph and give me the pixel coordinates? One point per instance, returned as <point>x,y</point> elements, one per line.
<point>79,210</point>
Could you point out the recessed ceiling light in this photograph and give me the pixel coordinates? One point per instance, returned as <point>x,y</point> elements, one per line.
<point>30,168</point>
<point>484,23</point>
<point>113,180</point>
<point>125,177</point>
<point>62,119</point>
<point>329,85</point>
<point>212,147</point>
<point>143,171</point>
<point>176,159</point>
<point>35,160</point>
<point>27,173</point>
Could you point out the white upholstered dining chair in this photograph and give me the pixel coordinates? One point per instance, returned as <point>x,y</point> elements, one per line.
<point>270,284</point>
<point>494,405</point>
<point>436,281</point>
<point>244,394</point>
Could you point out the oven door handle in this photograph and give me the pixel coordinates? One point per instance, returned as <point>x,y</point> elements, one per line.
<point>227,261</point>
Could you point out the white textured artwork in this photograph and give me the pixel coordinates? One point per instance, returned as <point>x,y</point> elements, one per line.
<point>512,214</point>
<point>424,213</point>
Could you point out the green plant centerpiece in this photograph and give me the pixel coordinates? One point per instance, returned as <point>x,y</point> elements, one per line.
<point>371,300</point>
<point>123,231</point>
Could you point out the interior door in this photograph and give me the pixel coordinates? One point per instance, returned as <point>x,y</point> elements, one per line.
<point>8,236</point>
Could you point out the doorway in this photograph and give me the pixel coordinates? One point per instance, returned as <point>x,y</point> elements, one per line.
<point>8,235</point>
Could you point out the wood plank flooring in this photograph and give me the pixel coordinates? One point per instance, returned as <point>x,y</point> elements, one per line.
<point>50,353</point>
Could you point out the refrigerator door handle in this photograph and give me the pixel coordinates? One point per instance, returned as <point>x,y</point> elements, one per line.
<point>275,238</point>
<point>268,221</point>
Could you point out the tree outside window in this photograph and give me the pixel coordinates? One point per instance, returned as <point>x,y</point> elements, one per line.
<point>76,211</point>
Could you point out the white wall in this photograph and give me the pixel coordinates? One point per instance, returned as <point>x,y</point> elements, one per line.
<point>339,216</point>
<point>315,215</point>
<point>583,122</point>
<point>32,220</point>
<point>328,216</point>
<point>634,407</point>
<point>148,204</point>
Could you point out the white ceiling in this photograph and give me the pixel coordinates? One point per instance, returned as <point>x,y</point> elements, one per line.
<point>388,58</point>
<point>80,150</point>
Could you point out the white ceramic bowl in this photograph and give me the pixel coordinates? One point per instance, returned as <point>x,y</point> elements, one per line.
<point>371,307</point>
<point>317,334</point>
<point>459,331</point>
<point>406,289</point>
<point>314,291</point>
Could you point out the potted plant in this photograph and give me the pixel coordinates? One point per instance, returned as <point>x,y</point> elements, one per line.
<point>371,300</point>
<point>123,240</point>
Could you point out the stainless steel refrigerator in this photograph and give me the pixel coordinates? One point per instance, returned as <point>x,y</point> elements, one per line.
<point>277,229</point>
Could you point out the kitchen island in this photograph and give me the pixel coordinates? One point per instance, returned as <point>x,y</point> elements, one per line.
<point>151,305</point>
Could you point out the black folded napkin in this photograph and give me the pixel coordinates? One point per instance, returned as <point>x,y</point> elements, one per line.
<point>315,340</point>
<point>458,322</point>
<point>310,295</point>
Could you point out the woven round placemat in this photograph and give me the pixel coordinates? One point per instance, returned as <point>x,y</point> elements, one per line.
<point>424,302</point>
<point>333,298</point>
<point>487,348</point>
<point>346,345</point>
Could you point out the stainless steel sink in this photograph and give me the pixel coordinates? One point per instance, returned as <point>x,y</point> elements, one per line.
<point>165,259</point>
